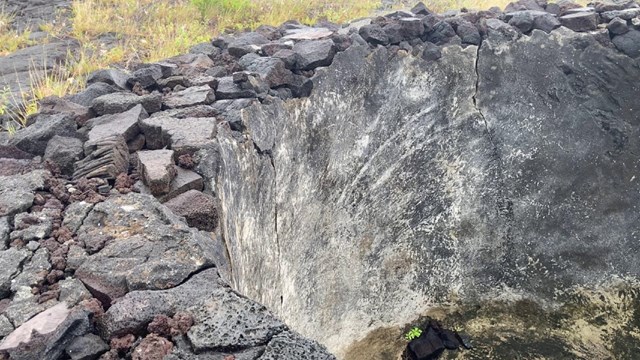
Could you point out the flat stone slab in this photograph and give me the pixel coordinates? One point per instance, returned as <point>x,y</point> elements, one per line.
<point>122,101</point>
<point>196,95</point>
<point>307,34</point>
<point>157,168</point>
<point>185,135</point>
<point>580,21</point>
<point>125,124</point>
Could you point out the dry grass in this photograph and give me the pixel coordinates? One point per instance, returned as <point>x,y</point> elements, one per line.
<point>11,40</point>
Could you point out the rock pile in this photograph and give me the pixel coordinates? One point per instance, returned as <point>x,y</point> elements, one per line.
<point>121,224</point>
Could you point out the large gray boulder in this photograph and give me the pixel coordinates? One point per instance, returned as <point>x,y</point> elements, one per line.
<point>408,182</point>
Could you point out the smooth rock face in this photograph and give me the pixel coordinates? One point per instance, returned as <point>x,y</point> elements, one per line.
<point>64,151</point>
<point>122,101</point>
<point>410,180</point>
<point>197,95</point>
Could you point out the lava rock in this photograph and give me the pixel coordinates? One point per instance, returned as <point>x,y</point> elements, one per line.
<point>197,208</point>
<point>114,77</point>
<point>123,263</point>
<point>92,92</point>
<point>230,89</point>
<point>246,43</point>
<point>182,135</point>
<point>582,21</point>
<point>157,169</point>
<point>289,57</point>
<point>146,77</point>
<point>289,345</point>
<point>123,124</point>
<point>617,26</point>
<point>420,9</point>
<point>34,138</point>
<point>54,105</point>
<point>48,334</point>
<point>314,53</point>
<point>5,229</point>
<point>107,158</point>
<point>441,33</point>
<point>87,347</point>
<point>10,266</point>
<point>17,192</point>
<point>374,34</point>
<point>64,151</point>
<point>122,101</point>
<point>197,95</point>
<point>628,43</point>
<point>184,181</point>
<point>627,14</point>
<point>468,33</point>
<point>272,70</point>
<point>32,226</point>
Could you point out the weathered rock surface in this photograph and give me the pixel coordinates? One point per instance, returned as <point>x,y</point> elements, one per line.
<point>64,151</point>
<point>17,192</point>
<point>157,168</point>
<point>123,124</point>
<point>185,135</point>
<point>120,102</point>
<point>197,95</point>
<point>137,244</point>
<point>199,209</point>
<point>353,192</point>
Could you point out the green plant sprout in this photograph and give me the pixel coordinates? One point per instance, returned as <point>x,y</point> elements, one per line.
<point>414,333</point>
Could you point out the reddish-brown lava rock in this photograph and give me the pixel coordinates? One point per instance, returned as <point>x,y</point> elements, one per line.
<point>124,183</point>
<point>152,347</point>
<point>123,343</point>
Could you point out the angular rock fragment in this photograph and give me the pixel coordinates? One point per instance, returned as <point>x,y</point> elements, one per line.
<point>246,43</point>
<point>312,54</point>
<point>468,33</point>
<point>157,169</point>
<point>222,318</point>
<point>113,77</point>
<point>122,101</point>
<point>197,208</point>
<point>272,70</point>
<point>4,232</point>
<point>87,347</point>
<point>92,92</point>
<point>109,158</point>
<point>581,21</point>
<point>143,246</point>
<point>17,192</point>
<point>617,26</point>
<point>47,335</point>
<point>184,181</point>
<point>34,271</point>
<point>307,34</point>
<point>54,105</point>
<point>628,43</point>
<point>374,34</point>
<point>420,9</point>
<point>230,89</point>
<point>10,265</point>
<point>64,151</point>
<point>183,136</point>
<point>146,76</point>
<point>626,14</point>
<point>34,139</point>
<point>289,345</point>
<point>197,95</point>
<point>32,226</point>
